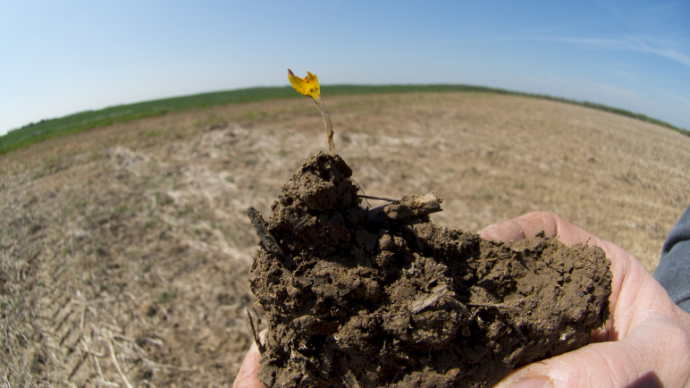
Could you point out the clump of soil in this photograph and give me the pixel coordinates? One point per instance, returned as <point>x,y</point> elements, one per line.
<point>384,298</point>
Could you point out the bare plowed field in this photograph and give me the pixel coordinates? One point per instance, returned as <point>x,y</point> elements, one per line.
<point>125,250</point>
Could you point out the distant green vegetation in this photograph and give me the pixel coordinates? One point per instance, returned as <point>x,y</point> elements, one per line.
<point>46,129</point>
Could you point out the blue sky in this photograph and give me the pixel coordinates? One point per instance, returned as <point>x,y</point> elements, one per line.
<point>63,56</point>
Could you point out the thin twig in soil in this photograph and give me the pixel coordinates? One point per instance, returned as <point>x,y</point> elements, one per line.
<point>257,340</point>
<point>379,198</point>
<point>153,341</point>
<point>77,366</point>
<point>100,374</point>
<point>262,231</point>
<point>85,350</point>
<point>81,302</point>
<point>117,366</point>
<point>360,187</point>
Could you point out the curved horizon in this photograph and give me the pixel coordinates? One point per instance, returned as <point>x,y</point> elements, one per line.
<point>85,120</point>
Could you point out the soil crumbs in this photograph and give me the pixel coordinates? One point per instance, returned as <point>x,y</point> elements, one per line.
<point>383,297</point>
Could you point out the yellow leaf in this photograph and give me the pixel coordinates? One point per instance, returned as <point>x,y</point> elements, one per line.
<point>309,85</point>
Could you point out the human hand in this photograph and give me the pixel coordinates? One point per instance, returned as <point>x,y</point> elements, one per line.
<point>247,376</point>
<point>645,343</point>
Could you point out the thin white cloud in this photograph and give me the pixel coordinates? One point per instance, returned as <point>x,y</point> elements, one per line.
<point>630,44</point>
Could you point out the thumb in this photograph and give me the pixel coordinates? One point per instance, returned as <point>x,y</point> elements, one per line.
<point>654,354</point>
<point>247,376</point>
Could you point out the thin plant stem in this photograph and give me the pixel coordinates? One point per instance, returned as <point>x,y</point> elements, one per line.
<point>327,123</point>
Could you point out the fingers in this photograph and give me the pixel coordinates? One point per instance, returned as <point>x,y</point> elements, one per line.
<point>531,224</point>
<point>656,354</point>
<point>247,376</point>
<point>505,231</point>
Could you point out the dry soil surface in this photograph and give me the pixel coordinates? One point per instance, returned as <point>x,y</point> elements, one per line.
<point>125,250</point>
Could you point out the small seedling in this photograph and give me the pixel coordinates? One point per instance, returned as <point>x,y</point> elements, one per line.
<point>309,86</point>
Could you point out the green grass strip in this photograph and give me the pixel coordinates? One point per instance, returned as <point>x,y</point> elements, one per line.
<point>77,122</point>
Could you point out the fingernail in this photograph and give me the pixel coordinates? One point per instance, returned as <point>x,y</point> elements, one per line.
<point>533,383</point>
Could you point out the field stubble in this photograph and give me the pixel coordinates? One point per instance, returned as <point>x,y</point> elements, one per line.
<point>125,250</point>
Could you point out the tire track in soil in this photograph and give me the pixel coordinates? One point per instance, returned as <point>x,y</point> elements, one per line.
<point>83,321</point>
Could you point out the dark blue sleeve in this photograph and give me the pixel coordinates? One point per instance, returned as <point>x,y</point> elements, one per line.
<point>673,271</point>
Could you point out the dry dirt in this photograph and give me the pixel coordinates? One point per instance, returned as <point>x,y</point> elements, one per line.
<point>384,298</point>
<point>125,250</point>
